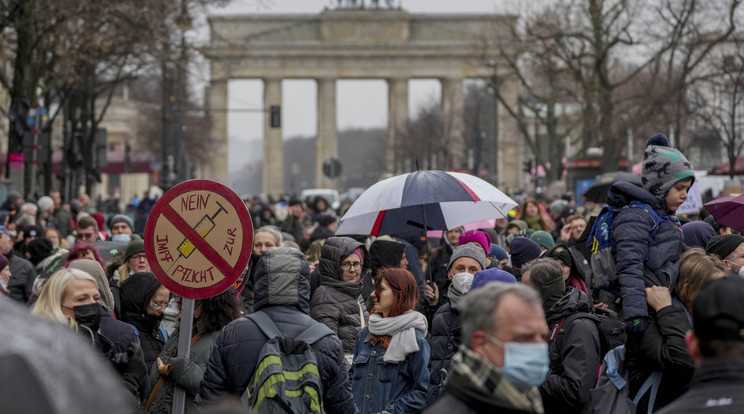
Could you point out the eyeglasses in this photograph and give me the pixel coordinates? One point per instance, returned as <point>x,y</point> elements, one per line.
<point>346,266</point>
<point>158,306</point>
<point>138,257</point>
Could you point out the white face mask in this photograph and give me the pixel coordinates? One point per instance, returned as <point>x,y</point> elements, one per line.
<point>741,268</point>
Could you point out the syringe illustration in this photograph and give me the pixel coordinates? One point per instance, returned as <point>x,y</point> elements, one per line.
<point>203,227</point>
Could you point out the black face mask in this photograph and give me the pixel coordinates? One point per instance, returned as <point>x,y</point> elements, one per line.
<point>88,315</point>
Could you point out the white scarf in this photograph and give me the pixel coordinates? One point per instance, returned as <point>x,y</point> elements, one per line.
<point>402,329</point>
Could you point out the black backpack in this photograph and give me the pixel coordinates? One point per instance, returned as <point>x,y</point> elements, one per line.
<point>611,330</point>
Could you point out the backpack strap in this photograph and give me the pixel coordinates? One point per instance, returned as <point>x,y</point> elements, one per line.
<point>136,332</point>
<point>652,383</point>
<point>314,333</point>
<point>265,324</point>
<point>163,332</point>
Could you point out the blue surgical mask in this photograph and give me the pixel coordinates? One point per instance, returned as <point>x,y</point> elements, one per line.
<point>526,365</point>
<point>123,238</point>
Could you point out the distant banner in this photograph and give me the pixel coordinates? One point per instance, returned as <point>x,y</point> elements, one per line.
<point>15,160</point>
<point>694,202</point>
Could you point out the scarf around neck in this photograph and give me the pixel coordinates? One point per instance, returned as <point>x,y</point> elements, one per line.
<point>476,380</point>
<point>402,329</point>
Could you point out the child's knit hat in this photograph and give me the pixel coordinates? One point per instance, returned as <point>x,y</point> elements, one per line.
<point>663,166</point>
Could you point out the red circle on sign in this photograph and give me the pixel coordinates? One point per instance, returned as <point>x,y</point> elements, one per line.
<point>162,210</point>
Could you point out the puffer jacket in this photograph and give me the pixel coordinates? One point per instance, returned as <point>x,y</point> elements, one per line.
<point>445,339</point>
<point>641,263</point>
<point>136,293</point>
<point>186,373</point>
<point>574,355</point>
<point>337,303</point>
<point>661,348</point>
<point>282,291</point>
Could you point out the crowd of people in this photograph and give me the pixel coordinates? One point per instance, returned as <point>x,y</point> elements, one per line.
<point>520,317</point>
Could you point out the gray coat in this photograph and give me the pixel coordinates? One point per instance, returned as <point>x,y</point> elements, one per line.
<point>185,374</point>
<point>336,303</point>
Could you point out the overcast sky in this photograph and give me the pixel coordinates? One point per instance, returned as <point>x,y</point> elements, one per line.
<point>360,103</point>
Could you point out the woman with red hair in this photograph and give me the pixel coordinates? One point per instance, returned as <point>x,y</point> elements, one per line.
<point>390,370</point>
<point>84,250</point>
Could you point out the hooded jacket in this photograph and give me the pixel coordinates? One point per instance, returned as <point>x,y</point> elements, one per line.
<point>641,263</point>
<point>337,303</point>
<point>282,291</point>
<point>574,356</point>
<point>136,293</point>
<point>21,284</point>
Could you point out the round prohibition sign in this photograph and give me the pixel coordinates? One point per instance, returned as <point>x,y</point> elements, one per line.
<point>198,239</point>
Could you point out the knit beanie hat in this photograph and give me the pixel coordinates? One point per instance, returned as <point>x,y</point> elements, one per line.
<point>523,250</point>
<point>663,166</point>
<point>479,237</point>
<point>491,275</point>
<point>45,203</point>
<point>470,250</point>
<point>39,249</point>
<point>498,252</point>
<point>133,247</point>
<point>543,238</point>
<point>122,218</point>
<point>723,245</point>
<point>520,224</point>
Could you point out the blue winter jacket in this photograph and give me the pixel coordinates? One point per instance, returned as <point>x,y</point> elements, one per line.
<point>398,388</point>
<point>285,298</point>
<point>641,263</point>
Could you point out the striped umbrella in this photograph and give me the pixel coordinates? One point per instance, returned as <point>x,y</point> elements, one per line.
<point>435,200</point>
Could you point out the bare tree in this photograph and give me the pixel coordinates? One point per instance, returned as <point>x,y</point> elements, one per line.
<point>583,55</point>
<point>718,100</point>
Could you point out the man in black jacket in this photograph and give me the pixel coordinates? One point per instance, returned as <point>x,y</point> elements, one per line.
<point>23,274</point>
<point>282,291</point>
<point>573,340</point>
<point>717,346</point>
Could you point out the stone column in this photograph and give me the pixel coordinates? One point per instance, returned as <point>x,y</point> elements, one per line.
<point>397,117</point>
<point>326,145</point>
<point>273,159</point>
<point>511,146</point>
<point>452,116</point>
<point>218,168</point>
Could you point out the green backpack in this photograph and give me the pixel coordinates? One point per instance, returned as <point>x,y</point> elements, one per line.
<point>286,379</point>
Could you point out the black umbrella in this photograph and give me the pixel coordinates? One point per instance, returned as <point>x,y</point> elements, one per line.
<point>597,193</point>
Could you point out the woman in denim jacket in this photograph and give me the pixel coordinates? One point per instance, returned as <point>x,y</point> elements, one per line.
<point>390,371</point>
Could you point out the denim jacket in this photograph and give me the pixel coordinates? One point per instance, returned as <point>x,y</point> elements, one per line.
<point>397,388</point>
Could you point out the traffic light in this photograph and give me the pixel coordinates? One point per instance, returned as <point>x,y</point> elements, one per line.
<point>275,116</point>
<point>527,166</point>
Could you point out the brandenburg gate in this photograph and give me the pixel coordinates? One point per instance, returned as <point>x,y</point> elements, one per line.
<point>360,44</point>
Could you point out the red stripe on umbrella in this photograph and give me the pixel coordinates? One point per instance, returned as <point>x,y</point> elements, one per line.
<point>378,223</point>
<point>470,192</point>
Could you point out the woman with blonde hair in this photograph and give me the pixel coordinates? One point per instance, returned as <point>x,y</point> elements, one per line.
<point>71,296</point>
<point>66,290</point>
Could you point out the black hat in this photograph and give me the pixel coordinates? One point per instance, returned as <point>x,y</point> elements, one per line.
<point>723,245</point>
<point>39,249</point>
<point>326,219</point>
<point>33,231</point>
<point>718,310</point>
